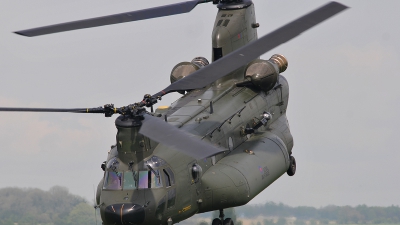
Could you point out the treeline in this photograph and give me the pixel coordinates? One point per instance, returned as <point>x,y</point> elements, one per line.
<point>340,214</point>
<point>58,207</point>
<point>34,206</point>
<point>272,213</point>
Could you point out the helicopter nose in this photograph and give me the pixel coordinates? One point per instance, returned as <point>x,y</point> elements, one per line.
<point>120,214</point>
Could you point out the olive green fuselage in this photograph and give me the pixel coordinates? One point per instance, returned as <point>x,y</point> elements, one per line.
<point>250,163</point>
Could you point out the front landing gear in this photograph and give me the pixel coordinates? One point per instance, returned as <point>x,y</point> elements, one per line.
<point>292,168</point>
<point>218,221</point>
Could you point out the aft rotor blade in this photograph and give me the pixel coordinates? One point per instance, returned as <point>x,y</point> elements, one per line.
<point>251,51</point>
<point>175,138</point>
<point>160,11</point>
<point>76,110</point>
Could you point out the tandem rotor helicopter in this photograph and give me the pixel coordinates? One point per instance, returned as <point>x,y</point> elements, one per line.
<point>219,145</point>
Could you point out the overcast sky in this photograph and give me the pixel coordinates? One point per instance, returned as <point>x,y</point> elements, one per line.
<point>343,109</point>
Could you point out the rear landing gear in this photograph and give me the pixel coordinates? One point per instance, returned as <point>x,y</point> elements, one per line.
<point>218,221</point>
<point>292,168</point>
<point>228,221</point>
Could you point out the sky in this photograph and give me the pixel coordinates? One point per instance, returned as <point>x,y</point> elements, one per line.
<point>343,108</point>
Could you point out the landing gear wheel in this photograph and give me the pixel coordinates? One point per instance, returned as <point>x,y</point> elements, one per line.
<point>216,221</point>
<point>228,221</point>
<point>292,168</point>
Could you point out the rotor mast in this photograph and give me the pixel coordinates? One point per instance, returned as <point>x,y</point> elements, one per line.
<point>235,26</point>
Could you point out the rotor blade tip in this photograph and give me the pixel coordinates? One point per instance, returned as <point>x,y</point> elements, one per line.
<point>339,4</point>
<point>21,33</point>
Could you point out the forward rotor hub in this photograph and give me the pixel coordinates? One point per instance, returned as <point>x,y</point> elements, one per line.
<point>234,4</point>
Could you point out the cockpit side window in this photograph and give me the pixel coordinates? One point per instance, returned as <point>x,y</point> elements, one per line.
<point>148,179</point>
<point>113,181</point>
<point>155,180</point>
<point>169,176</point>
<point>167,179</point>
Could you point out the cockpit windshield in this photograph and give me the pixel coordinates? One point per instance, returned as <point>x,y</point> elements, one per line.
<point>129,180</point>
<point>149,176</point>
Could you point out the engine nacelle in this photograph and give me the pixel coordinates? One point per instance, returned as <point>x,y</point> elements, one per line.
<point>264,73</point>
<point>184,69</point>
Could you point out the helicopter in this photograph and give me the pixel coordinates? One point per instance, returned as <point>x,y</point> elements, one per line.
<point>219,145</point>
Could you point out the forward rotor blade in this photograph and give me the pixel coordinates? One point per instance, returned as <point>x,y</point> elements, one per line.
<point>177,139</point>
<point>77,110</point>
<point>251,51</point>
<point>160,11</point>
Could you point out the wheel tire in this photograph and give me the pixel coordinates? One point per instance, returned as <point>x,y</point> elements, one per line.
<point>216,221</point>
<point>228,221</point>
<point>292,168</point>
